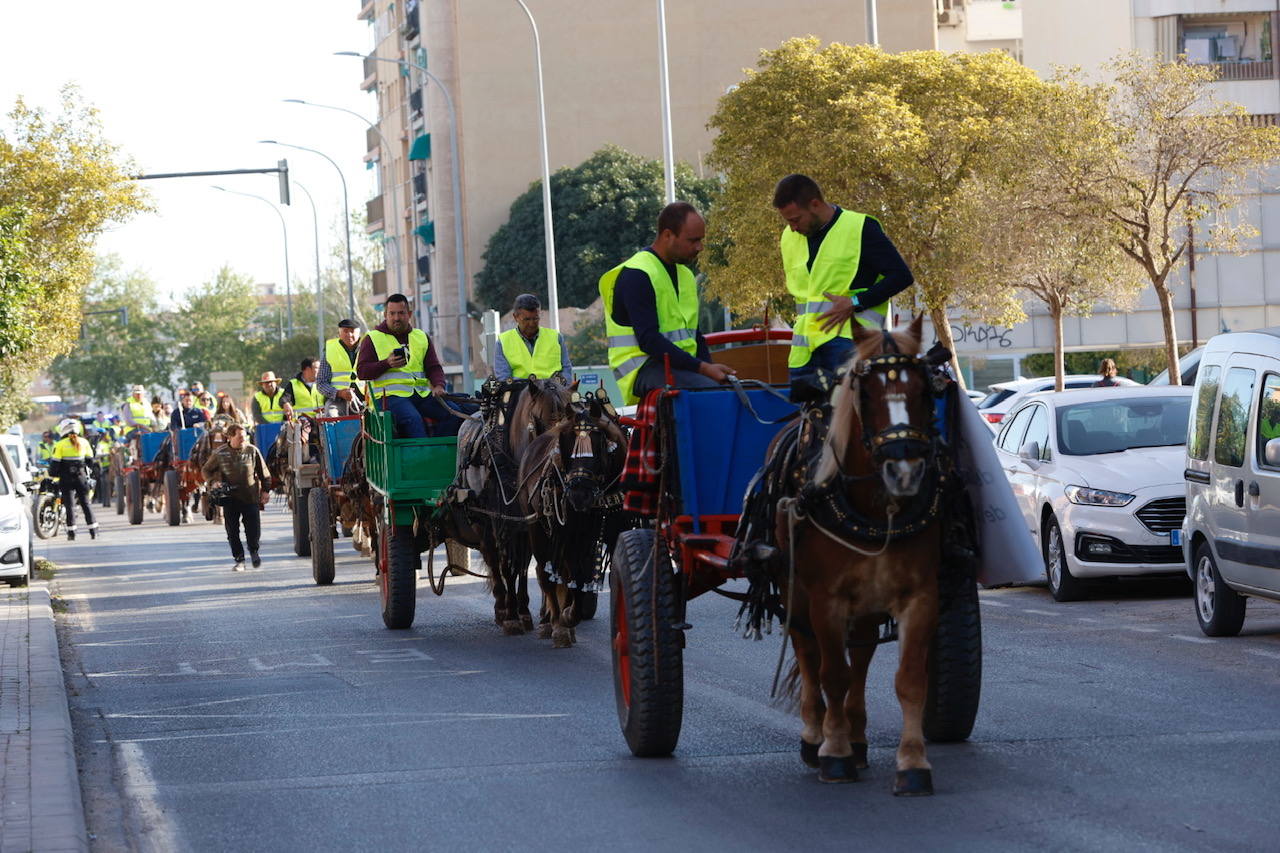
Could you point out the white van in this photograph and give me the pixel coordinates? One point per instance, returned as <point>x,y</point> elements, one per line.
<point>1231,535</point>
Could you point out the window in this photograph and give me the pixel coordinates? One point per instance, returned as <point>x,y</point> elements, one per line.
<point>1268,415</point>
<point>1123,423</point>
<point>1233,417</point>
<point>1011,438</point>
<point>996,396</point>
<point>1206,395</point>
<point>1038,431</point>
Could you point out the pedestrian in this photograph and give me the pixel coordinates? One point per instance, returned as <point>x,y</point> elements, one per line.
<point>239,464</point>
<point>69,463</point>
<point>651,311</point>
<point>839,265</point>
<point>187,414</point>
<point>336,376</point>
<point>44,450</point>
<point>227,407</point>
<point>301,393</point>
<point>206,404</point>
<point>404,373</point>
<point>267,407</point>
<point>1107,367</point>
<point>529,350</point>
<point>136,413</point>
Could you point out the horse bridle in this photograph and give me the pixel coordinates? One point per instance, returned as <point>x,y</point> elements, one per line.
<point>897,441</point>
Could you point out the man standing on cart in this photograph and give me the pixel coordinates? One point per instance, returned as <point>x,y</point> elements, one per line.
<point>529,349</point>
<point>268,405</point>
<point>336,378</point>
<point>651,311</point>
<point>839,265</point>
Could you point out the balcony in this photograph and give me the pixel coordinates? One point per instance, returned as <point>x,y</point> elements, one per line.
<point>373,215</point>
<point>415,102</point>
<point>366,10</point>
<point>370,73</point>
<point>1238,46</point>
<point>372,142</point>
<point>409,29</point>
<point>419,186</point>
<point>424,269</point>
<point>1243,69</point>
<point>379,282</point>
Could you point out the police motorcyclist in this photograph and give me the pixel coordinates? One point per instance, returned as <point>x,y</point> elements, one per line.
<point>70,462</point>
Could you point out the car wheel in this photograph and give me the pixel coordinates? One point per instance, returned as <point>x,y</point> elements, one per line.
<point>1219,608</point>
<point>1064,585</point>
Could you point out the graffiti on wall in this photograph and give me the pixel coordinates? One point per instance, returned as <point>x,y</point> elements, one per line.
<point>990,337</point>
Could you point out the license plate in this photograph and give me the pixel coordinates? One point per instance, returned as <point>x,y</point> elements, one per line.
<point>1175,537</point>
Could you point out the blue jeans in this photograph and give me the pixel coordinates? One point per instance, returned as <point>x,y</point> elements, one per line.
<point>408,412</point>
<point>829,356</point>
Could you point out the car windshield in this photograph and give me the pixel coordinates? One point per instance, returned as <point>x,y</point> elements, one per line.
<point>4,482</point>
<point>13,454</point>
<point>1110,426</point>
<point>997,395</point>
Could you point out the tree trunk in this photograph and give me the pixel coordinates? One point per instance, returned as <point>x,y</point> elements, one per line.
<point>1165,295</point>
<point>942,328</point>
<point>1059,362</point>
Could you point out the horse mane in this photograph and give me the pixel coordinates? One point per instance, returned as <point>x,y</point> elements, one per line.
<point>846,416</point>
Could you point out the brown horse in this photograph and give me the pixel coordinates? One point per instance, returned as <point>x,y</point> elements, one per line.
<point>865,544</point>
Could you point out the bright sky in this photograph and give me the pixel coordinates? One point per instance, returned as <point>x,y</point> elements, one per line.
<point>191,87</point>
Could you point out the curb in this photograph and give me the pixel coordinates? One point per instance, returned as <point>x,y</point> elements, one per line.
<point>57,814</point>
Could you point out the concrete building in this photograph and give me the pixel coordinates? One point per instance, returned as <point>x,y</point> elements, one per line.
<point>600,65</point>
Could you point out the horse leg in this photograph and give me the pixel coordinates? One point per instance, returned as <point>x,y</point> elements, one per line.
<point>864,636</point>
<point>548,589</point>
<point>812,708</point>
<point>916,625</point>
<point>562,632</point>
<point>835,756</point>
<point>522,600</point>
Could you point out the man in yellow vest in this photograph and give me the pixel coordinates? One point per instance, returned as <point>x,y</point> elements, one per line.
<point>404,374</point>
<point>839,265</point>
<point>651,311</point>
<point>301,393</point>
<point>336,377</point>
<point>136,411</point>
<point>268,403</point>
<point>528,349</point>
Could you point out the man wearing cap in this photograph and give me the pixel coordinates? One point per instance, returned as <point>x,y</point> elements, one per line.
<point>136,411</point>
<point>187,414</point>
<point>528,349</point>
<point>267,403</point>
<point>301,394</point>
<point>336,377</point>
<point>404,373</point>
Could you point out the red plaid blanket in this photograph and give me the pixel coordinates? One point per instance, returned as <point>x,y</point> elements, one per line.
<point>640,476</point>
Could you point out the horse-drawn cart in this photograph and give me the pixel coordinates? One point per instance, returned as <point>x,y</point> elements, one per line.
<point>327,499</point>
<point>147,464</point>
<point>183,478</point>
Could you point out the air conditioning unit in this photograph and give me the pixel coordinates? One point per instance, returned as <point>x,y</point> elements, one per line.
<point>948,12</point>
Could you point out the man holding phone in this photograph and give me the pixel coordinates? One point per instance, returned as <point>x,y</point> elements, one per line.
<point>404,374</point>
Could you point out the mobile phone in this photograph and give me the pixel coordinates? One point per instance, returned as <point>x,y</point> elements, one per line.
<point>403,352</point>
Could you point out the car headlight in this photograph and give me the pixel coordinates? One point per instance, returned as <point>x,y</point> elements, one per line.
<point>1097,497</point>
<point>10,523</point>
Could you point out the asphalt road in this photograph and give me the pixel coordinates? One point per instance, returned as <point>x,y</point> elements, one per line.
<point>256,711</point>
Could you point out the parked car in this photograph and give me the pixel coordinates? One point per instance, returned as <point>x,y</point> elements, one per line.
<point>1188,366</point>
<point>1097,474</point>
<point>17,544</point>
<point>1004,396</point>
<point>1231,535</point>
<point>17,450</point>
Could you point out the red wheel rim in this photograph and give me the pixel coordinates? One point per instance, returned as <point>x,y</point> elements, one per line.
<point>621,647</point>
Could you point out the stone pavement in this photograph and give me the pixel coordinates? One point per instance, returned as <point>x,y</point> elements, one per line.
<point>40,807</point>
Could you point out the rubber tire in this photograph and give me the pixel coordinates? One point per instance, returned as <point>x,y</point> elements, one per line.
<point>321,530</point>
<point>652,713</point>
<point>133,496</point>
<point>104,490</point>
<point>172,498</point>
<point>955,664</point>
<point>588,603</point>
<point>1070,588</point>
<point>398,581</point>
<point>301,524</point>
<point>118,488</point>
<point>44,504</point>
<point>1228,605</point>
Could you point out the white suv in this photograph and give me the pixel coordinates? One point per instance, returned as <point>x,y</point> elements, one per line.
<point>1231,535</point>
<point>1005,396</point>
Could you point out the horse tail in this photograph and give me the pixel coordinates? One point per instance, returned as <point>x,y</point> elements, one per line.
<point>788,696</point>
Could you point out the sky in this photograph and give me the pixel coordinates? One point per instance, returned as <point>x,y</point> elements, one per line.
<point>192,87</point>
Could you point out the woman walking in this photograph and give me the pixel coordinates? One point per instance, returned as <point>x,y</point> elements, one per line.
<point>239,464</point>
<point>69,462</point>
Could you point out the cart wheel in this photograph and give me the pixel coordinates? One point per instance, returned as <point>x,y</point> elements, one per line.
<point>321,529</point>
<point>587,604</point>
<point>301,524</point>
<point>133,496</point>
<point>648,662</point>
<point>117,488</point>
<point>955,665</point>
<point>397,575</point>
<point>104,490</point>
<point>47,520</point>
<point>172,498</point>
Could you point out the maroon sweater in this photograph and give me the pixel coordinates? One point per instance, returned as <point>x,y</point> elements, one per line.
<point>369,366</point>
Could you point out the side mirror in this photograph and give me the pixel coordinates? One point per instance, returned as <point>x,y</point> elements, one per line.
<point>1030,452</point>
<point>1271,453</point>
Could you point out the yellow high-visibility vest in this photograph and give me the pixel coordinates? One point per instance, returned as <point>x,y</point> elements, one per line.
<point>409,379</point>
<point>545,361</point>
<point>272,409</point>
<point>141,412</point>
<point>340,364</point>
<point>306,401</point>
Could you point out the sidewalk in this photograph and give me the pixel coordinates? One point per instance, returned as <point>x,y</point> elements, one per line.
<point>40,807</point>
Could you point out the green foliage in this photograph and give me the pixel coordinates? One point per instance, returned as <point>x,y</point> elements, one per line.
<point>212,325</point>
<point>604,210</point>
<point>588,343</point>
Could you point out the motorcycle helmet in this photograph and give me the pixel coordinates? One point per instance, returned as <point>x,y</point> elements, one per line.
<point>68,426</point>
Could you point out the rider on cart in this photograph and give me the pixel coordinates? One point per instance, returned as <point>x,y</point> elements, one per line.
<point>529,350</point>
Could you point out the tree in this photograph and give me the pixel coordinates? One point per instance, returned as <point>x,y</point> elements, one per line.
<point>61,183</point>
<point>1186,158</point>
<point>905,137</point>
<point>604,210</point>
<point>212,326</point>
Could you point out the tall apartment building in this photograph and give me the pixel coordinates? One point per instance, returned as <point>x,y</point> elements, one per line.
<point>600,66</point>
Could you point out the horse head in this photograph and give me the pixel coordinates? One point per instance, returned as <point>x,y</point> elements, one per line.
<point>595,450</point>
<point>542,404</point>
<point>882,413</point>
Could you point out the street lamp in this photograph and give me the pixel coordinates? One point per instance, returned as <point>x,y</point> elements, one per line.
<point>346,216</point>
<point>459,258</point>
<point>664,89</point>
<point>386,147</point>
<point>288,291</point>
<point>553,292</point>
<point>315,229</point>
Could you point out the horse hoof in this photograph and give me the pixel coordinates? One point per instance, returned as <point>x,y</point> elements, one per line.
<point>526,622</point>
<point>916,782</point>
<point>561,639</point>
<point>511,628</point>
<point>836,769</point>
<point>809,753</point>
<point>544,631</point>
<point>860,756</point>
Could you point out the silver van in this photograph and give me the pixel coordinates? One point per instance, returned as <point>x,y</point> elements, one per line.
<point>1231,535</point>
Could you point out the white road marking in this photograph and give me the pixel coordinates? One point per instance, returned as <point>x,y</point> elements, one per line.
<point>420,720</point>
<point>316,660</point>
<point>1187,639</point>
<point>185,668</point>
<point>394,655</point>
<point>156,833</point>
<point>1264,653</point>
<point>991,603</point>
<point>1085,619</point>
<point>1143,630</point>
<point>1040,612</point>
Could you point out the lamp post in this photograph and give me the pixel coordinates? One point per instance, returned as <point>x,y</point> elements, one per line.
<point>346,217</point>
<point>386,147</point>
<point>664,89</point>
<point>284,230</point>
<point>459,259</point>
<point>548,234</point>
<point>315,228</point>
